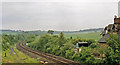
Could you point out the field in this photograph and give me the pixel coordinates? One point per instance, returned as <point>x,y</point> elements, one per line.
<point>86,35</point>
<point>92,35</point>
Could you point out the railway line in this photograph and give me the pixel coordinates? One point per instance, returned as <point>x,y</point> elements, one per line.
<point>55,59</point>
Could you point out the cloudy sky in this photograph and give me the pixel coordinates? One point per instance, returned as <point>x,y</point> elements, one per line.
<point>67,15</point>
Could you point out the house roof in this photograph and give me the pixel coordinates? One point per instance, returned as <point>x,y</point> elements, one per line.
<point>82,42</point>
<point>104,38</point>
<point>119,33</point>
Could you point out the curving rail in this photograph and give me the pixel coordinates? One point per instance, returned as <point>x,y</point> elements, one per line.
<point>53,58</point>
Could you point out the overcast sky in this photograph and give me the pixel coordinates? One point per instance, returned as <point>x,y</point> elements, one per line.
<point>57,15</point>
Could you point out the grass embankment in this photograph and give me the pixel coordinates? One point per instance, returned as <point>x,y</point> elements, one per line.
<point>92,35</point>
<point>20,58</point>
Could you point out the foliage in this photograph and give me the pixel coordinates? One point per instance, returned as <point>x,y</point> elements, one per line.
<point>84,56</point>
<point>113,52</point>
<point>50,32</point>
<point>90,41</point>
<point>93,45</point>
<point>61,39</point>
<point>111,57</point>
<point>30,38</point>
<point>60,46</point>
<point>7,41</point>
<point>77,40</point>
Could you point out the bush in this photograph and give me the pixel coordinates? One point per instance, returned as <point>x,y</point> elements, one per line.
<point>90,41</point>
<point>93,45</point>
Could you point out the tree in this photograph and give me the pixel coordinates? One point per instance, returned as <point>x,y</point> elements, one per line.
<point>50,32</point>
<point>84,56</point>
<point>69,53</point>
<point>93,45</point>
<point>7,41</point>
<point>61,35</point>
<point>113,52</point>
<point>77,40</point>
<point>90,41</point>
<point>61,39</point>
<point>30,38</point>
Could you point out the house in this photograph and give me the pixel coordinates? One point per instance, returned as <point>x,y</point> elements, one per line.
<point>116,20</point>
<point>111,28</point>
<point>79,44</point>
<point>104,38</point>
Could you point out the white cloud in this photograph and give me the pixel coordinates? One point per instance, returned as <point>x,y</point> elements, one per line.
<point>0,15</point>
<point>57,15</point>
<point>60,0</point>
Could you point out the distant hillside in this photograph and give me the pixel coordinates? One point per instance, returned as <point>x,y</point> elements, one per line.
<point>82,31</point>
<point>39,32</point>
<point>92,30</point>
<point>8,31</point>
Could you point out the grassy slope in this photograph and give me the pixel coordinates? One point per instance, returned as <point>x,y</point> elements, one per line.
<point>20,58</point>
<point>93,35</point>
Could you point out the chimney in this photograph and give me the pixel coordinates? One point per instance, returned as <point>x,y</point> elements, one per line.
<point>115,16</point>
<point>116,20</point>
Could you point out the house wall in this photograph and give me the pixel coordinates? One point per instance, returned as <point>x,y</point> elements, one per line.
<point>85,45</point>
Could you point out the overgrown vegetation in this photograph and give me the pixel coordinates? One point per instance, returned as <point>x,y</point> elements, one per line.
<point>61,46</point>
<point>113,52</point>
<point>8,42</point>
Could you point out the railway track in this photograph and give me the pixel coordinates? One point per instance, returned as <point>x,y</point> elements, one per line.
<point>56,59</point>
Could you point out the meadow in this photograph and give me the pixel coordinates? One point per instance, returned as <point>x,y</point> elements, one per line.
<point>88,35</point>
<point>84,35</point>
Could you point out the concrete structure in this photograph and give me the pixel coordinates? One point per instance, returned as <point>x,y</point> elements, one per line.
<point>85,44</point>
<point>80,44</point>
